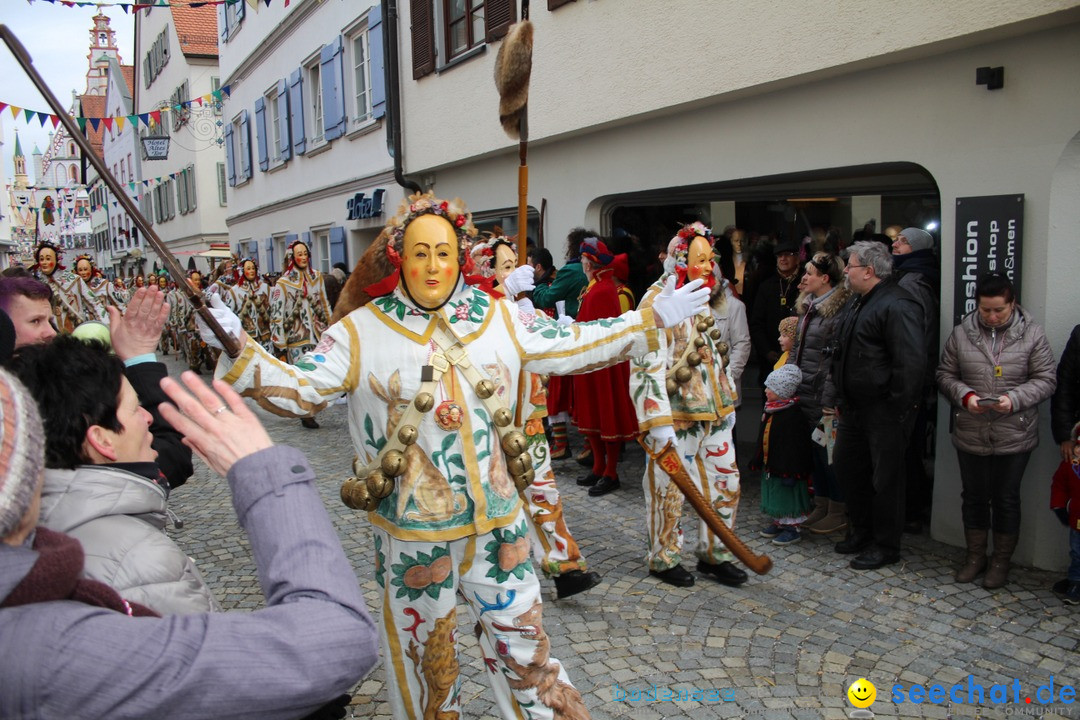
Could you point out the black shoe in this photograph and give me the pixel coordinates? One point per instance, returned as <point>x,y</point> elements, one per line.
<point>1060,587</point>
<point>677,576</point>
<point>589,480</point>
<point>604,485</point>
<point>874,558</point>
<point>853,543</point>
<point>309,423</point>
<point>584,458</point>
<point>724,573</point>
<point>573,582</point>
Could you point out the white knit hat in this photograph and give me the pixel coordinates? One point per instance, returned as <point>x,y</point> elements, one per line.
<point>784,381</point>
<point>22,451</point>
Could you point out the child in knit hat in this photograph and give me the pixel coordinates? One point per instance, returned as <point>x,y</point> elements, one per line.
<point>785,456</point>
<point>22,460</point>
<point>788,328</point>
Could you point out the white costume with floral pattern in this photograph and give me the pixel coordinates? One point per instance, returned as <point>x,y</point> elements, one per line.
<point>455,522</point>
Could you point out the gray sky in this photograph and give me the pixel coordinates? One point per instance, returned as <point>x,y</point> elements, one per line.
<point>58,40</point>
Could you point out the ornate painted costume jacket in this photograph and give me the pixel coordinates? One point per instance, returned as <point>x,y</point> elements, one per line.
<point>707,396</point>
<point>251,302</point>
<point>299,310</point>
<point>456,484</point>
<point>73,301</point>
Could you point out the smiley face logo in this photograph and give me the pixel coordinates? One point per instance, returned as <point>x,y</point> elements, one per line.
<point>862,693</point>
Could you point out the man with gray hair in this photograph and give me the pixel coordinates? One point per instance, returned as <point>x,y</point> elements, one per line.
<point>877,368</point>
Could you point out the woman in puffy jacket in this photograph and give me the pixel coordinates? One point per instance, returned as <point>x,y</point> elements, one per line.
<point>996,368</point>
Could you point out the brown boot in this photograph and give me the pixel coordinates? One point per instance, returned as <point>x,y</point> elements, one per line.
<point>821,509</point>
<point>834,521</point>
<point>998,572</point>
<point>975,561</point>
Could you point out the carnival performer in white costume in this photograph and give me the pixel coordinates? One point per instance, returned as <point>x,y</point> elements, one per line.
<point>73,302</point>
<point>695,410</point>
<point>249,298</point>
<point>554,548</point>
<point>104,292</point>
<point>299,310</point>
<point>430,350</point>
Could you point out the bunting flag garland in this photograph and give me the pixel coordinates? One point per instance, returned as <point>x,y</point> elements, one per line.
<point>149,119</point>
<point>129,7</point>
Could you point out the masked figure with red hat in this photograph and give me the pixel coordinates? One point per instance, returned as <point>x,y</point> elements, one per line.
<point>299,310</point>
<point>73,302</point>
<point>602,408</point>
<point>695,410</point>
<point>429,365</point>
<point>249,297</point>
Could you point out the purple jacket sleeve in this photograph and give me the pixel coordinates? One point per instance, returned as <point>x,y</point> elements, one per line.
<point>312,642</point>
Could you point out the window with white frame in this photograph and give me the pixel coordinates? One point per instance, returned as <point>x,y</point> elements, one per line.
<point>320,241</point>
<point>222,181</point>
<point>314,83</point>
<point>361,75</point>
<point>273,120</point>
<point>241,137</point>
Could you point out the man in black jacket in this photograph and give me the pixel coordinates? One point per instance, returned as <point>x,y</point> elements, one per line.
<point>774,301</point>
<point>1065,403</point>
<point>878,369</point>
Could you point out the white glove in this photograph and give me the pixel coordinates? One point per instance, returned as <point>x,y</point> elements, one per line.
<point>673,306</point>
<point>565,320</point>
<point>660,436</point>
<point>228,320</point>
<point>522,279</point>
<point>525,305</point>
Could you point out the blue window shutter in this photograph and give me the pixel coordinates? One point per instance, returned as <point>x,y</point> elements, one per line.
<point>222,23</point>
<point>230,162</point>
<point>375,51</point>
<point>333,80</point>
<point>240,11</point>
<point>284,142</point>
<point>269,266</point>
<point>296,111</point>
<point>245,148</point>
<point>260,133</point>
<point>337,246</point>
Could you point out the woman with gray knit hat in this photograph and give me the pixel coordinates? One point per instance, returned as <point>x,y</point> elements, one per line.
<point>785,457</point>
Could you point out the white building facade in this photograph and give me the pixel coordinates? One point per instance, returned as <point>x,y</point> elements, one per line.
<point>729,112</point>
<point>304,136</point>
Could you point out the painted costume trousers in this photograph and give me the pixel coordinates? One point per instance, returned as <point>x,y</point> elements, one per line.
<point>492,572</point>
<point>553,546</point>
<point>708,455</point>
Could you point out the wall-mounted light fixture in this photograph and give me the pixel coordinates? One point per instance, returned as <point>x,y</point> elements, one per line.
<point>992,77</point>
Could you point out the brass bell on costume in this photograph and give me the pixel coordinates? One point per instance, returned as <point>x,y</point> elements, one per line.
<point>710,321</point>
<point>515,443</point>
<point>701,326</point>
<point>519,465</point>
<point>378,485</point>
<point>393,463</point>
<point>523,481</point>
<point>693,359</point>
<point>485,389</point>
<point>502,417</point>
<point>715,333</point>
<point>407,434</point>
<point>424,401</point>
<point>699,342</point>
<point>683,375</point>
<point>722,348</point>
<point>355,495</point>
<point>671,386</point>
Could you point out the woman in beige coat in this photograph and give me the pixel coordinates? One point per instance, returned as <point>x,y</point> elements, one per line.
<point>996,368</point>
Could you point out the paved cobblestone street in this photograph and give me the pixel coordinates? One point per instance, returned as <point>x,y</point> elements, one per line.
<point>787,644</point>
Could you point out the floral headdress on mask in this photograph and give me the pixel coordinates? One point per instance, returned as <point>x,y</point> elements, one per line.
<point>427,204</point>
<point>37,256</point>
<point>94,271</point>
<point>679,249</point>
<point>482,253</point>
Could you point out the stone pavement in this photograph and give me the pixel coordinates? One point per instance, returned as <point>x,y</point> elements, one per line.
<point>785,645</point>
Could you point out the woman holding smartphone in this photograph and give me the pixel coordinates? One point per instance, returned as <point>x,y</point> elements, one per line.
<point>996,368</point>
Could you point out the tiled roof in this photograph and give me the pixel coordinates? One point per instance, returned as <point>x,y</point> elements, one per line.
<point>129,77</point>
<point>196,28</point>
<point>94,106</point>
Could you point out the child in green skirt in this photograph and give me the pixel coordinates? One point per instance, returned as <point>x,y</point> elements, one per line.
<point>785,455</point>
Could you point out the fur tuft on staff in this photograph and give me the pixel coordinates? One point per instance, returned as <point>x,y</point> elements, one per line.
<point>513,68</point>
<point>372,267</point>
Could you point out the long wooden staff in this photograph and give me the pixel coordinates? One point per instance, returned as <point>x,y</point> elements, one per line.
<point>232,345</point>
<point>513,68</point>
<point>668,461</point>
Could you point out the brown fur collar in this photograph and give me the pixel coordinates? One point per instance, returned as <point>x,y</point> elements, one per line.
<point>370,269</point>
<point>830,307</point>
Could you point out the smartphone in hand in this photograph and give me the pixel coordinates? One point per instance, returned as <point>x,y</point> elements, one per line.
<point>987,401</point>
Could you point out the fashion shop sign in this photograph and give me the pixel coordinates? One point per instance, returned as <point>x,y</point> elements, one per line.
<point>989,234</point>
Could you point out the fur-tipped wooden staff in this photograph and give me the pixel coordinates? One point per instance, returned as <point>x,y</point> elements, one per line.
<point>232,345</point>
<point>513,68</point>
